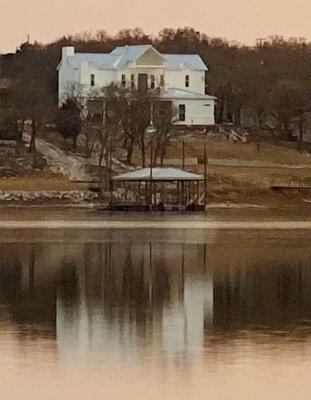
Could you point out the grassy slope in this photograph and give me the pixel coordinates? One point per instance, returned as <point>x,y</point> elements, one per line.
<point>243,151</point>
<point>239,184</point>
<point>244,184</point>
<point>39,181</point>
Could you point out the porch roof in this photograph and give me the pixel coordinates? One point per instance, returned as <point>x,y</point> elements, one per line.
<point>175,93</point>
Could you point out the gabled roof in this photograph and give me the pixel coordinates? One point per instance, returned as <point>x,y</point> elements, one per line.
<point>182,61</point>
<point>122,55</point>
<point>158,174</point>
<point>132,52</point>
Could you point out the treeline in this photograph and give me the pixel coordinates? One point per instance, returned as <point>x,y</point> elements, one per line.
<point>271,78</point>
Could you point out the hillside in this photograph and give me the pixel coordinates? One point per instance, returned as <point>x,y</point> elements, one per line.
<point>244,172</point>
<point>237,172</point>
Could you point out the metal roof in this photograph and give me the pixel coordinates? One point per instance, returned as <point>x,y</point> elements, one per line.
<point>158,174</point>
<point>131,52</point>
<point>99,60</point>
<point>122,55</point>
<point>184,61</point>
<point>175,93</point>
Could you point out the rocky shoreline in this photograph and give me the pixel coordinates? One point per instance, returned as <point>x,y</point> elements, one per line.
<point>87,198</point>
<point>40,196</point>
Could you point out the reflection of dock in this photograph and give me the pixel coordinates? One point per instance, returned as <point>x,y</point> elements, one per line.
<point>129,296</point>
<point>96,228</point>
<point>143,293</point>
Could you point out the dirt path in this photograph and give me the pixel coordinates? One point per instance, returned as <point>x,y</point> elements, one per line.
<point>71,166</point>
<point>58,161</point>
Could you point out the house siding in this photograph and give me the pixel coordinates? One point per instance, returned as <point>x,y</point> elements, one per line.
<point>199,111</point>
<point>176,79</point>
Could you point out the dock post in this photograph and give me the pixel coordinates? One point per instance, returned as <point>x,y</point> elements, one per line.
<point>146,192</point>
<point>139,192</point>
<point>151,171</point>
<point>183,167</point>
<point>110,174</point>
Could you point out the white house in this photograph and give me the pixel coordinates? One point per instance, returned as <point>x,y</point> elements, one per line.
<point>178,78</point>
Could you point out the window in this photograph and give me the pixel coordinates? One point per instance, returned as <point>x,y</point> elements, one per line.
<point>132,81</point>
<point>187,80</point>
<point>182,112</point>
<point>162,81</point>
<point>123,80</point>
<point>152,81</point>
<point>92,80</point>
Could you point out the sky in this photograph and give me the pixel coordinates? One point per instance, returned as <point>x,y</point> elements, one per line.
<point>238,20</point>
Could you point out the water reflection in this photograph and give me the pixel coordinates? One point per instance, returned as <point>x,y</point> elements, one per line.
<point>175,309</point>
<point>127,295</point>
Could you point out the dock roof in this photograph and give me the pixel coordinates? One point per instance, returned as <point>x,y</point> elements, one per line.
<point>158,174</point>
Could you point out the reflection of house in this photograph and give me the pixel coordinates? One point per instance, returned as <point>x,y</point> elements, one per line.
<point>136,296</point>
<point>176,78</point>
<point>124,298</point>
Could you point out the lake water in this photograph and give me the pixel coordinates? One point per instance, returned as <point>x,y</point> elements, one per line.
<point>173,307</point>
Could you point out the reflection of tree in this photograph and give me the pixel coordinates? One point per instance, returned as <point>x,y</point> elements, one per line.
<point>226,297</point>
<point>67,286</point>
<point>10,283</point>
<point>29,303</point>
<point>260,295</point>
<point>68,295</point>
<point>123,292</point>
<point>131,286</point>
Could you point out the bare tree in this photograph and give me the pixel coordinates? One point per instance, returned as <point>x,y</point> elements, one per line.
<point>129,110</point>
<point>163,121</point>
<point>68,121</point>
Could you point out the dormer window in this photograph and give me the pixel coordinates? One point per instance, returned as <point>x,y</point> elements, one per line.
<point>123,80</point>
<point>152,81</point>
<point>162,81</point>
<point>187,80</point>
<point>92,80</point>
